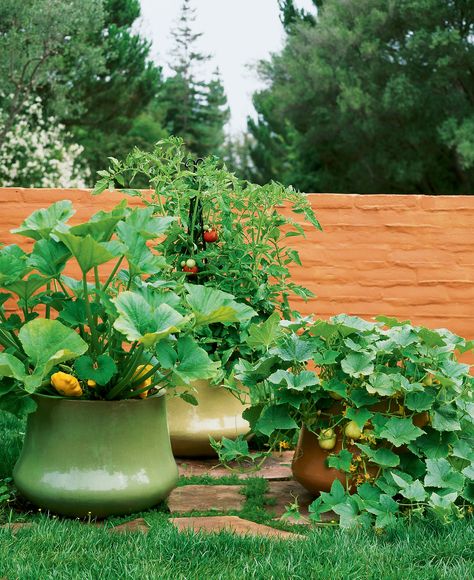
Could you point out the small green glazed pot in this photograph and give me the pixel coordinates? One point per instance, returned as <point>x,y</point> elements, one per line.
<point>96,458</point>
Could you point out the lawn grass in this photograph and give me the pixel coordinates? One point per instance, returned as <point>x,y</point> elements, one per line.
<point>65,549</point>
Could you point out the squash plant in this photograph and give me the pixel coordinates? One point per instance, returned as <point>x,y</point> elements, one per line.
<point>120,330</point>
<point>227,233</point>
<point>395,395</point>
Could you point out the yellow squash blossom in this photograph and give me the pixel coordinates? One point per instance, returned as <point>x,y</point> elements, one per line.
<point>141,371</point>
<point>66,385</point>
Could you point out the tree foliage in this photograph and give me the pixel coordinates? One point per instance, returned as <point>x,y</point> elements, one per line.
<point>371,96</point>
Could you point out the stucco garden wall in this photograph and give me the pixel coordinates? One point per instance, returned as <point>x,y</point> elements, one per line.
<point>407,256</point>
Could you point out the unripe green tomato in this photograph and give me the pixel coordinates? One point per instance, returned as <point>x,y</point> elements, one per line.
<point>190,263</point>
<point>327,439</point>
<point>335,396</point>
<point>352,430</point>
<point>183,263</point>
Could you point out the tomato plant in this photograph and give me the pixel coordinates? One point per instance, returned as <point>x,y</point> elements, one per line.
<point>253,257</point>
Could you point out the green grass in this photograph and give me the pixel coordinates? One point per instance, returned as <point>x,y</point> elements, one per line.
<point>68,549</point>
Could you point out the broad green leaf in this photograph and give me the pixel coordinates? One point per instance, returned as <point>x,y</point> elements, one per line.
<point>101,225</point>
<point>341,460</point>
<point>42,222</point>
<point>13,264</point>
<point>49,257</point>
<point>275,418</point>
<point>297,382</point>
<point>101,370</point>
<point>48,343</point>
<point>431,337</point>
<point>263,335</point>
<point>145,224</point>
<point>325,358</point>
<point>400,431</point>
<point>25,288</point>
<point>383,457</point>
<point>434,444</point>
<point>10,366</point>
<point>420,401</point>
<point>414,490</point>
<point>464,449</point>
<point>210,305</point>
<point>391,322</point>
<point>443,502</point>
<point>440,473</point>
<point>17,402</point>
<point>294,349</point>
<point>445,418</point>
<point>357,364</point>
<point>138,321</point>
<point>382,384</point>
<point>469,471</point>
<point>335,496</point>
<point>139,256</point>
<point>360,397</point>
<point>347,512</point>
<point>360,416</point>
<point>86,250</point>
<point>192,362</point>
<point>352,324</point>
<point>74,313</point>
<point>384,510</point>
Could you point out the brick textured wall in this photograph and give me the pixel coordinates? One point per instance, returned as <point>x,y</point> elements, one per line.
<point>406,256</point>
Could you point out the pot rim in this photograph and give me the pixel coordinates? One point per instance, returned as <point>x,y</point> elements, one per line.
<point>159,394</point>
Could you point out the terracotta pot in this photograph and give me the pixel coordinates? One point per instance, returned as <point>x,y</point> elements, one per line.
<point>97,458</point>
<point>309,464</point>
<point>218,414</point>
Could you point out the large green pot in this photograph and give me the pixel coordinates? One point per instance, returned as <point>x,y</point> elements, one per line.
<point>96,458</point>
<point>218,414</point>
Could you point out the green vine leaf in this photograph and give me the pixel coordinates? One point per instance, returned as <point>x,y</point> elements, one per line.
<point>400,431</point>
<point>440,473</point>
<point>100,371</point>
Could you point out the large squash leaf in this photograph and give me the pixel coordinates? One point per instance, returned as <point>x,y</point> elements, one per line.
<point>210,305</point>
<point>101,225</point>
<point>192,362</point>
<point>48,343</point>
<point>87,251</point>
<point>137,320</point>
<point>49,257</point>
<point>13,264</point>
<point>43,221</point>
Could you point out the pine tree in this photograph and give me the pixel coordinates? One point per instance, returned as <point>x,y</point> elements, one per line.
<point>195,110</point>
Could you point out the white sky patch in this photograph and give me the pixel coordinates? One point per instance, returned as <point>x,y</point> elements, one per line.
<point>237,33</point>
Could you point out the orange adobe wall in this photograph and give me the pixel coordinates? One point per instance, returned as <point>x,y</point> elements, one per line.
<point>408,256</point>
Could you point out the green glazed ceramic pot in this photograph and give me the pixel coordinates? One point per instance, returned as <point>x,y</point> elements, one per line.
<point>96,458</point>
<point>218,414</point>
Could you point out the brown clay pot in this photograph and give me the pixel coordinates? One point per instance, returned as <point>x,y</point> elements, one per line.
<point>309,464</point>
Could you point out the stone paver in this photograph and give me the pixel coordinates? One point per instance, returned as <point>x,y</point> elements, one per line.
<point>206,497</point>
<point>277,467</point>
<point>233,524</point>
<point>284,493</point>
<point>133,526</point>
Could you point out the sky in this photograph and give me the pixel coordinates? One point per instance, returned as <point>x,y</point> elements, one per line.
<point>237,33</point>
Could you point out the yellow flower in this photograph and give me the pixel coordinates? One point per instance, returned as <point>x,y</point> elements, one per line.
<point>284,445</point>
<point>66,385</point>
<point>140,371</point>
<point>91,383</point>
<point>367,476</point>
<point>352,467</point>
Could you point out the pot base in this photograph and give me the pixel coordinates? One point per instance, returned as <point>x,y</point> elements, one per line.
<point>96,458</point>
<point>219,414</point>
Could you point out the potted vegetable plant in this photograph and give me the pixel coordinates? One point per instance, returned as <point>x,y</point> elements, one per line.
<point>89,358</point>
<point>228,234</point>
<point>384,411</point>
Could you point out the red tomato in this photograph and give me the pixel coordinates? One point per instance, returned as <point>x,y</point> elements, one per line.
<point>211,236</point>
<point>191,270</point>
